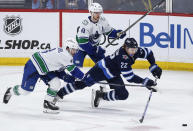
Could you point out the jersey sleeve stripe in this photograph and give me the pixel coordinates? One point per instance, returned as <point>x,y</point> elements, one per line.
<point>126,72</point>
<point>37,63</point>
<point>105,69</point>
<point>145,56</point>
<point>82,40</point>
<point>147,52</point>
<point>153,67</point>
<point>44,62</point>
<point>40,62</point>
<point>129,77</point>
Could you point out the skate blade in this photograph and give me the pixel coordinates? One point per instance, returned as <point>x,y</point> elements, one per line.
<point>48,111</point>
<point>92,98</point>
<point>7,96</point>
<point>6,99</point>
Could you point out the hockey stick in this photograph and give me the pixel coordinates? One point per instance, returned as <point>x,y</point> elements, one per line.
<point>157,5</point>
<point>147,104</point>
<point>120,84</point>
<point>143,116</point>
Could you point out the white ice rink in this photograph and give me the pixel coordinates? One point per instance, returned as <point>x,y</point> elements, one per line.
<point>168,110</point>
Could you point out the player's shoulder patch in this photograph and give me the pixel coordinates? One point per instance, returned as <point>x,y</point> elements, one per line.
<point>102,18</point>
<point>85,22</point>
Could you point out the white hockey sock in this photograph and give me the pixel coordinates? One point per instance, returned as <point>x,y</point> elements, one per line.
<point>17,90</point>
<point>54,85</point>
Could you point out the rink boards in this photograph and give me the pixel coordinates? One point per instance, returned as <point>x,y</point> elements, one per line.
<point>25,31</point>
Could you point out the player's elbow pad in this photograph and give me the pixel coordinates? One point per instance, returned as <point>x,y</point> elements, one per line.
<point>77,73</point>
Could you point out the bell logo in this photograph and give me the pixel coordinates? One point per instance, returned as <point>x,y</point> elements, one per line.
<point>164,37</point>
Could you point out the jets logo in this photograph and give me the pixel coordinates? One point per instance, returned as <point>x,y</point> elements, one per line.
<point>125,57</point>
<point>12,25</point>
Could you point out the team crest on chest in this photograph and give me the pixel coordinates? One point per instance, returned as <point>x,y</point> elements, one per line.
<point>125,57</point>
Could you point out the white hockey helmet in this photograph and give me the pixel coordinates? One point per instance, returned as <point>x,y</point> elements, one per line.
<point>95,7</point>
<point>71,43</point>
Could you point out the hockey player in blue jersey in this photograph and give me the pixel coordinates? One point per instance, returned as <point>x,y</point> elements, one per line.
<point>111,67</point>
<point>50,67</point>
<point>89,34</point>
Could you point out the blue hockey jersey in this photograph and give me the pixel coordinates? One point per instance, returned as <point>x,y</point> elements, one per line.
<point>120,63</point>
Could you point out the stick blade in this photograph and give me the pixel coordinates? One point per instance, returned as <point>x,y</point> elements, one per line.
<point>141,120</point>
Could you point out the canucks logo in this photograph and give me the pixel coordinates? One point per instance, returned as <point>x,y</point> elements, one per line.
<point>12,25</point>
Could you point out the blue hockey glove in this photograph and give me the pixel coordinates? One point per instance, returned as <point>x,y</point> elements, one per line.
<point>156,71</point>
<point>115,34</point>
<point>149,84</point>
<point>122,35</point>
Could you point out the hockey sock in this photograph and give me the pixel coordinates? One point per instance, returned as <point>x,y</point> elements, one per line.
<point>109,96</point>
<point>51,92</point>
<point>69,88</point>
<point>16,90</point>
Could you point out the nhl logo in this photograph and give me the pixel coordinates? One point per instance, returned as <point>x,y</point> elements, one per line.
<point>12,25</point>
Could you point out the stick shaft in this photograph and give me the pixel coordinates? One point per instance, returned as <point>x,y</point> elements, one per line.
<point>120,84</point>
<point>145,110</point>
<point>137,21</point>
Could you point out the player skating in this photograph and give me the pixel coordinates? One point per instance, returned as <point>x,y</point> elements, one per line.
<point>50,67</point>
<point>89,35</point>
<point>111,67</point>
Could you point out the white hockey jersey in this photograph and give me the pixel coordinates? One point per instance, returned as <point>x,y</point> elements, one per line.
<point>90,31</point>
<point>51,60</point>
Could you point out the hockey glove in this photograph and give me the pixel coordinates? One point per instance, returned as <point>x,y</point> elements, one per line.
<point>121,34</point>
<point>149,84</point>
<point>117,33</point>
<point>156,71</point>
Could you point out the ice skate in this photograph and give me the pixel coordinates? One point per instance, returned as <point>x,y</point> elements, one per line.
<point>7,96</point>
<point>50,107</point>
<point>97,95</point>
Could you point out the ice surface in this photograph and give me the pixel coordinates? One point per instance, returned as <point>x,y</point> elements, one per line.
<point>168,109</point>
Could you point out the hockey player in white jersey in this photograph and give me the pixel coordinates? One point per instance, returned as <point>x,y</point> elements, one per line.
<point>50,67</point>
<point>89,34</point>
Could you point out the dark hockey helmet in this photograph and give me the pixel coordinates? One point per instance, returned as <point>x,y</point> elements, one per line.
<point>130,43</point>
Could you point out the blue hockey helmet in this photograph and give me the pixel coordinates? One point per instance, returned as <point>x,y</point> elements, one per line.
<point>130,43</point>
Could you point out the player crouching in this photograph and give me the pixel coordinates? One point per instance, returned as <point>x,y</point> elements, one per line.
<point>50,67</point>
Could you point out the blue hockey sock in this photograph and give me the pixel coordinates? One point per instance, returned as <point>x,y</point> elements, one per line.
<point>69,88</point>
<point>110,96</point>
